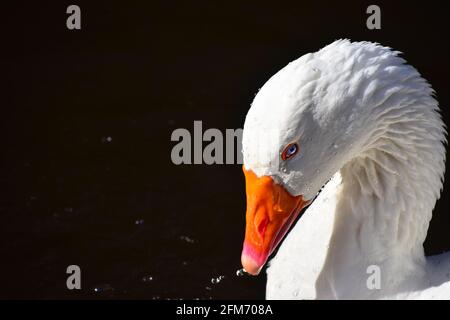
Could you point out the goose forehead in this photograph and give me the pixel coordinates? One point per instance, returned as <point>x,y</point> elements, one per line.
<point>291,87</point>
<point>277,108</point>
<point>275,119</point>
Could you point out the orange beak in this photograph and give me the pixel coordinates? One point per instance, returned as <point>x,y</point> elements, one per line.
<point>271,210</point>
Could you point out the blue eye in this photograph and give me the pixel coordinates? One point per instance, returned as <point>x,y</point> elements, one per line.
<point>290,150</point>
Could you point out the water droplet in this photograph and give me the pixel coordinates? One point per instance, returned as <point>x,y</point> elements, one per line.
<point>335,146</point>
<point>103,288</point>
<point>187,239</point>
<point>295,293</point>
<point>139,222</point>
<point>217,280</point>
<point>184,263</point>
<point>147,279</point>
<point>208,288</point>
<point>241,272</point>
<point>107,139</point>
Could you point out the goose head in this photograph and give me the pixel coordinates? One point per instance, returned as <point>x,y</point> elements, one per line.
<point>304,124</point>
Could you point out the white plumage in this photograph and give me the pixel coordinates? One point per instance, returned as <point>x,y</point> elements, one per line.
<point>368,121</point>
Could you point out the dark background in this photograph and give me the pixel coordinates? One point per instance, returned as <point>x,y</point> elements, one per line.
<point>135,72</point>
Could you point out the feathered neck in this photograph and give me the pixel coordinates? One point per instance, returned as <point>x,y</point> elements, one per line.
<point>389,189</point>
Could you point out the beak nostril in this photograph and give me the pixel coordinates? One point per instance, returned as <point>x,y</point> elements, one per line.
<point>277,208</point>
<point>262,227</point>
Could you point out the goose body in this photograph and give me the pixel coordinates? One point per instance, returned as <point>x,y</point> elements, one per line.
<point>299,270</point>
<point>360,123</point>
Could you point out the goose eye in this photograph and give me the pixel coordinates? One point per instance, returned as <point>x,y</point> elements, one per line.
<point>290,151</point>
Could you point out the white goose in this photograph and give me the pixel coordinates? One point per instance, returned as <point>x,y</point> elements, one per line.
<point>355,115</point>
